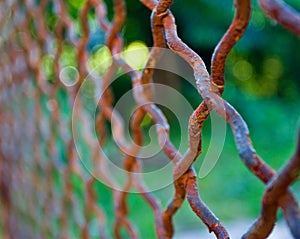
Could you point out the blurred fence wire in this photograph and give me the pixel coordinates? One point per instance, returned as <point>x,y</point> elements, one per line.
<point>44,53</point>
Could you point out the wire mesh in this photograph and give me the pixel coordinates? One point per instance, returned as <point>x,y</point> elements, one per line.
<point>45,191</point>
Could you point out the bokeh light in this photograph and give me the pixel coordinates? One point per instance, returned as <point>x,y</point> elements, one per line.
<point>69,76</point>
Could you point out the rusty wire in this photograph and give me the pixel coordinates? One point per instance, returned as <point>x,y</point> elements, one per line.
<point>29,174</point>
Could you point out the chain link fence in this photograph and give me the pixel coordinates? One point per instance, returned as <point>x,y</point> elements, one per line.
<point>51,99</point>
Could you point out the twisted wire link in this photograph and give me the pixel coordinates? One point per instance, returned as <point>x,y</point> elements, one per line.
<point>209,92</point>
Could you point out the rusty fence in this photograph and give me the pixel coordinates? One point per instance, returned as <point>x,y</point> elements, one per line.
<point>42,70</point>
